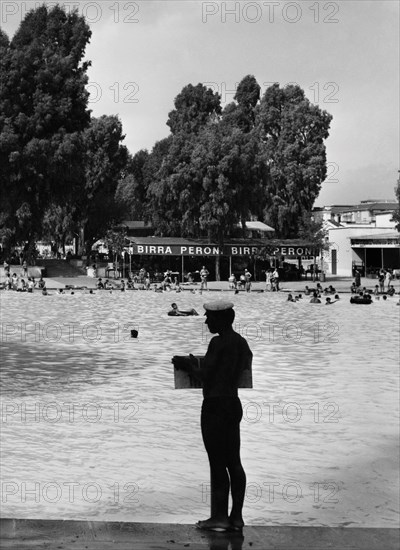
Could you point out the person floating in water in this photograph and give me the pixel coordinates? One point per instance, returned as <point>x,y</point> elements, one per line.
<point>175,312</point>
<point>329,301</point>
<point>362,298</point>
<point>228,355</point>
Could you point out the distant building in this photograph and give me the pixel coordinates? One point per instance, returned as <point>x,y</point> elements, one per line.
<point>367,212</point>
<point>360,236</point>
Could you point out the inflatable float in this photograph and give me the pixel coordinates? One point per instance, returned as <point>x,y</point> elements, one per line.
<point>360,300</point>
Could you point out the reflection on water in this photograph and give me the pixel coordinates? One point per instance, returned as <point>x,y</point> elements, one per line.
<point>92,427</point>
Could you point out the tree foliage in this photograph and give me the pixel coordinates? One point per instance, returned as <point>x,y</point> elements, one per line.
<point>43,110</point>
<point>105,158</point>
<point>195,106</point>
<point>260,158</point>
<point>115,240</point>
<point>312,231</point>
<point>62,171</point>
<point>59,167</point>
<point>292,131</point>
<point>131,191</point>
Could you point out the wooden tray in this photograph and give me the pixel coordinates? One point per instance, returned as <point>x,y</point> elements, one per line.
<point>184,380</point>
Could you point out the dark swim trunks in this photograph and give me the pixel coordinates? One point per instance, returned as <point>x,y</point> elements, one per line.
<point>220,425</point>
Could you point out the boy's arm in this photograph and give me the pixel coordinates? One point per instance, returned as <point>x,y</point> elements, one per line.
<point>247,356</point>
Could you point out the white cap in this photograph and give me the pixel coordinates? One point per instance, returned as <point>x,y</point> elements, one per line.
<point>218,305</point>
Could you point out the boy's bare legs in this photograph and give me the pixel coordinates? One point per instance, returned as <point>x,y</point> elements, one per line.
<point>222,443</point>
<point>238,490</point>
<point>219,500</point>
<point>237,477</point>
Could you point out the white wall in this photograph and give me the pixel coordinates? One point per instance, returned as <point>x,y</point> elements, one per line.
<point>339,238</point>
<point>383,220</point>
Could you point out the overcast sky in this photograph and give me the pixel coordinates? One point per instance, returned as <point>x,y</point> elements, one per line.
<point>344,54</point>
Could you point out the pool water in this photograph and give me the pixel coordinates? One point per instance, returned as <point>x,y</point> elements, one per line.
<point>92,427</point>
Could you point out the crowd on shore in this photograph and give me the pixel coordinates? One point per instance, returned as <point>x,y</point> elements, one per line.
<point>21,284</point>
<point>142,281</point>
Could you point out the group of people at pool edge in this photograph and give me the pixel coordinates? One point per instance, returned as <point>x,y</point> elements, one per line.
<point>18,283</point>
<point>142,281</point>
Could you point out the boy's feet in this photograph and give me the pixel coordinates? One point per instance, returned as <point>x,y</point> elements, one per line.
<point>236,526</point>
<point>236,523</point>
<point>212,524</point>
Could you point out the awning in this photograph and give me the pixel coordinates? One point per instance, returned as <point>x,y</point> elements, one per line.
<point>258,226</point>
<point>176,246</point>
<point>391,239</point>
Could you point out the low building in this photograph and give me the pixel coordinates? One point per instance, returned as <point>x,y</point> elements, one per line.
<point>361,235</point>
<point>367,212</point>
<point>367,248</point>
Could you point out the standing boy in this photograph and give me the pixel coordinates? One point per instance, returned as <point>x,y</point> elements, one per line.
<point>228,355</point>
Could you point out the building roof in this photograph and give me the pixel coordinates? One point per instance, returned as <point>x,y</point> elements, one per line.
<point>378,236</point>
<point>374,206</point>
<point>333,222</point>
<point>258,226</point>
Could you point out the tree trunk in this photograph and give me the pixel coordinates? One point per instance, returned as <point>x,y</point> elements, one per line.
<point>217,269</point>
<point>243,222</point>
<point>81,246</point>
<point>217,258</point>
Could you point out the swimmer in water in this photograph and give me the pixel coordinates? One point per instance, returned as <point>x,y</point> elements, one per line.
<point>175,312</point>
<point>315,299</point>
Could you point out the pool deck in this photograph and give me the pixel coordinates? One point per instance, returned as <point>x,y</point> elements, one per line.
<point>341,284</point>
<point>97,535</point>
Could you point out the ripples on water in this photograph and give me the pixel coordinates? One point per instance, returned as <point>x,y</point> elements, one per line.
<point>320,427</point>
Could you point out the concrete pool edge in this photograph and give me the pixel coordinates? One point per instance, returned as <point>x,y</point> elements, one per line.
<point>93,535</point>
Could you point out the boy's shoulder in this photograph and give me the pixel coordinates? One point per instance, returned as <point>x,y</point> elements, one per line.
<point>239,339</point>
